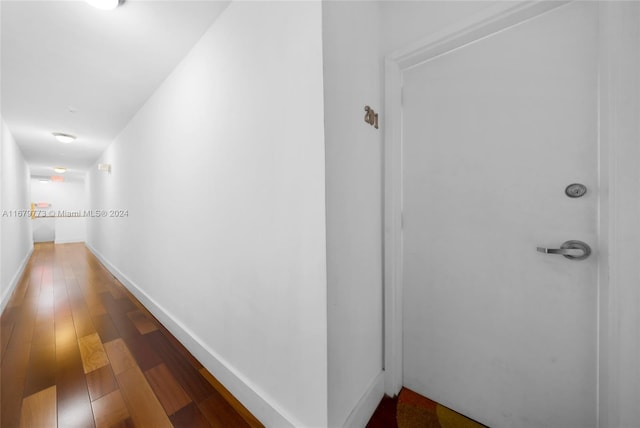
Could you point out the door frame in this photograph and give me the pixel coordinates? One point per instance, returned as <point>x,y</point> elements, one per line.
<point>618,166</point>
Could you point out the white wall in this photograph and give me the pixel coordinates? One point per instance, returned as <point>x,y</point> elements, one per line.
<point>16,243</point>
<point>222,173</point>
<point>620,216</point>
<point>352,79</point>
<point>63,196</point>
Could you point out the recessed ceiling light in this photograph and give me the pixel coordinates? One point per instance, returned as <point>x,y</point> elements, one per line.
<point>60,169</point>
<point>104,4</point>
<point>64,138</point>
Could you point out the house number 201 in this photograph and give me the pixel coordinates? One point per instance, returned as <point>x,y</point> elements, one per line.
<point>371,117</point>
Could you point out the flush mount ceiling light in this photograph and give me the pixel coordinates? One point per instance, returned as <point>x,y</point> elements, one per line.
<point>60,169</point>
<point>104,4</point>
<point>64,138</point>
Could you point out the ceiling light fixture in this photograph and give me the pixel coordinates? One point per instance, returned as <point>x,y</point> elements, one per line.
<point>60,169</point>
<point>64,138</point>
<point>104,4</point>
<point>44,181</point>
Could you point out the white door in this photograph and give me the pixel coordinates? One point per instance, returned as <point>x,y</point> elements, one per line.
<point>493,132</point>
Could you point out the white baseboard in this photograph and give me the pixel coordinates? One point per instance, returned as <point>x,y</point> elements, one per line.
<point>251,397</point>
<point>367,405</point>
<point>15,280</point>
<point>69,241</point>
<point>76,240</point>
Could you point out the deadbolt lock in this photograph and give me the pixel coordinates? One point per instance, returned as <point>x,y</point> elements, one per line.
<point>575,190</point>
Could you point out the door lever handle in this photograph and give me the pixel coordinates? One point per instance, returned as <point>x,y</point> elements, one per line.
<point>573,250</point>
<point>564,251</point>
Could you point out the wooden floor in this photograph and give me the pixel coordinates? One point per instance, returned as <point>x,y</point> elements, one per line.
<point>78,350</point>
<point>385,414</point>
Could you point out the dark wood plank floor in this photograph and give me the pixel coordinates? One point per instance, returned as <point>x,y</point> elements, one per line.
<point>78,350</point>
<point>385,414</point>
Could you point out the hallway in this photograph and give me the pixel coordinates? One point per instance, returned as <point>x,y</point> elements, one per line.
<point>325,203</point>
<point>79,350</point>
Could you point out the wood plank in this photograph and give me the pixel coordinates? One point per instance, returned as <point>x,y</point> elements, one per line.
<point>146,410</point>
<point>167,389</point>
<point>123,324</point>
<point>12,380</point>
<point>43,333</point>
<point>15,358</point>
<point>219,412</point>
<point>81,317</point>
<point>385,414</point>
<point>110,410</point>
<point>125,304</point>
<point>248,417</point>
<point>127,423</point>
<point>5,335</point>
<point>41,371</point>
<point>39,410</point>
<point>118,293</point>
<point>7,322</point>
<point>74,403</point>
<point>142,323</point>
<point>189,416</point>
<point>105,328</point>
<point>25,324</point>
<point>119,355</point>
<point>180,348</point>
<point>143,352</point>
<point>101,382</point>
<point>92,352</point>
<point>61,301</point>
<point>188,376</point>
<point>17,297</point>
<point>93,302</point>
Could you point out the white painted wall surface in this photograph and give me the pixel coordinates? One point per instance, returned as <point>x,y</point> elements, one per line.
<point>223,174</point>
<point>352,79</point>
<point>15,231</point>
<point>620,215</point>
<point>65,196</point>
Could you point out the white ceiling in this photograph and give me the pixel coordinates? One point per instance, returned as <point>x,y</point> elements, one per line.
<point>68,67</point>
